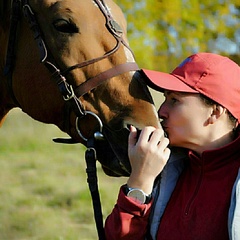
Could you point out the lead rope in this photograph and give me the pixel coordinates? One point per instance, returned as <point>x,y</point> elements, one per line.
<point>91,159</point>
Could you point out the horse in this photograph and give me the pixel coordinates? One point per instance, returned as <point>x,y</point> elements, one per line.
<point>69,63</point>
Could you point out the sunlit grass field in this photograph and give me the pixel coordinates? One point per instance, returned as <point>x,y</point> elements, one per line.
<point>43,190</point>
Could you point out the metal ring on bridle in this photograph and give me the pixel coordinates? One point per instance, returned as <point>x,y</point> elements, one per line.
<point>96,134</point>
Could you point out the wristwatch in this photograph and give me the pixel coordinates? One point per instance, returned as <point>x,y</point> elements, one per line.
<point>137,195</point>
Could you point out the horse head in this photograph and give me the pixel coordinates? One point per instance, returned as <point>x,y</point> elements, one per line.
<point>84,53</point>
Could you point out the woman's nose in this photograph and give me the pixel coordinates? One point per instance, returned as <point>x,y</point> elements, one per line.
<point>162,111</point>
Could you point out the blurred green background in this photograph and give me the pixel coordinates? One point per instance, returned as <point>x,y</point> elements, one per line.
<point>162,33</point>
<point>43,191</point>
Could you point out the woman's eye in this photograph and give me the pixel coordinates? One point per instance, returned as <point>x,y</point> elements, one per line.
<point>65,26</point>
<point>173,100</point>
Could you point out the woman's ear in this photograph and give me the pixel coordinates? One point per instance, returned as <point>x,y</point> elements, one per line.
<point>217,111</point>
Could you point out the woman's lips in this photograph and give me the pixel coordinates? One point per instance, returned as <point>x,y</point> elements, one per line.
<point>165,129</point>
<point>163,124</point>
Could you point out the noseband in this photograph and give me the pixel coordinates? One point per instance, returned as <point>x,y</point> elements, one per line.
<point>69,94</point>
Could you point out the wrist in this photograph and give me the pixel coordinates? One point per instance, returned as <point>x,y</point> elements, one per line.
<point>146,185</point>
<point>137,195</point>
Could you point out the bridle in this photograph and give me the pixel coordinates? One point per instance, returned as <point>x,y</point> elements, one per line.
<point>70,95</point>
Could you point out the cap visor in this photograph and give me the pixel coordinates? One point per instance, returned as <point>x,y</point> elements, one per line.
<point>161,81</point>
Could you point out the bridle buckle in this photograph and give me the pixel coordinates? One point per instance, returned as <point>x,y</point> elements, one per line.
<point>69,96</point>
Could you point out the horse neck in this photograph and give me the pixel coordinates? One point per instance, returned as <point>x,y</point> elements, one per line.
<point>5,6</point>
<point>6,102</point>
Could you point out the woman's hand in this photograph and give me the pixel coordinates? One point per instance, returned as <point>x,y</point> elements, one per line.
<point>148,155</point>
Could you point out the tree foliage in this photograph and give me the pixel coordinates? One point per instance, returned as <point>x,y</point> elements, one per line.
<point>163,32</point>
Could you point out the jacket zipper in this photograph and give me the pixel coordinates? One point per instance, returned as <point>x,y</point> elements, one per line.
<point>198,184</point>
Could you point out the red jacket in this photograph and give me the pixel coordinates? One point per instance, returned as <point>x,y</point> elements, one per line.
<point>125,219</point>
<point>198,207</point>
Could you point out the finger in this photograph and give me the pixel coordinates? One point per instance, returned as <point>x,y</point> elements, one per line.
<point>167,153</point>
<point>132,139</point>
<point>163,144</point>
<point>156,136</point>
<point>146,134</point>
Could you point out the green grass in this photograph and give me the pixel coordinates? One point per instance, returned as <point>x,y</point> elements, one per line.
<point>43,190</point>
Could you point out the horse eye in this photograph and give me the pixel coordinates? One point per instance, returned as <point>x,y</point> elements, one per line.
<point>65,26</point>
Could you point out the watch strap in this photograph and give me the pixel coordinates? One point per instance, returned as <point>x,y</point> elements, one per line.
<point>137,194</point>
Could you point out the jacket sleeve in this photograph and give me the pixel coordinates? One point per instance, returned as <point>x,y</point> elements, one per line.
<point>128,220</point>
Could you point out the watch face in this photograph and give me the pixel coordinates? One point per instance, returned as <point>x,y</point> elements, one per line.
<point>137,195</point>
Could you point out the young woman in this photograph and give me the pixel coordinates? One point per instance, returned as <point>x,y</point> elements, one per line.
<point>194,192</point>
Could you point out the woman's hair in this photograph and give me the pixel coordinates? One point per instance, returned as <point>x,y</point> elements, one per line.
<point>210,102</point>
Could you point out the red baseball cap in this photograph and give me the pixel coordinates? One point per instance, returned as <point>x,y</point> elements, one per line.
<point>212,75</point>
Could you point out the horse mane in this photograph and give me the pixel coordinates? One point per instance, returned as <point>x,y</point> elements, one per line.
<point>5,6</point>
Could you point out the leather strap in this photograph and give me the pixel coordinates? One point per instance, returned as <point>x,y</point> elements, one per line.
<point>92,83</point>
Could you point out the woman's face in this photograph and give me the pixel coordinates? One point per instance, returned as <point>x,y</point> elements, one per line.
<point>184,119</point>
